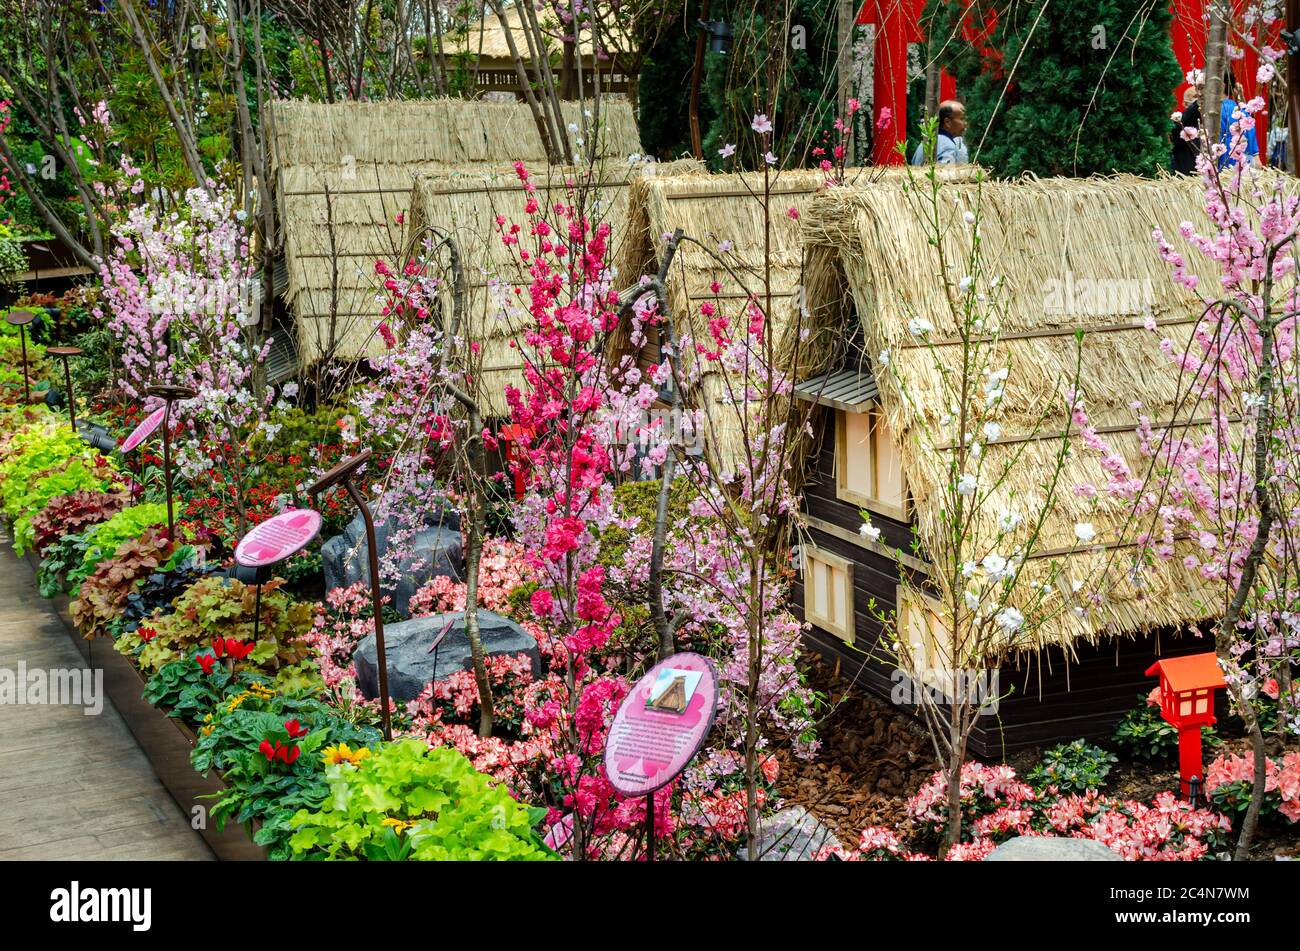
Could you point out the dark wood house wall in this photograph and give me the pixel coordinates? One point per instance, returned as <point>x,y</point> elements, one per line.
<point>1052,698</point>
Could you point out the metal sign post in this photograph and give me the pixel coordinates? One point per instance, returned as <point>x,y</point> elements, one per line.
<point>64,353</point>
<point>20,319</point>
<point>170,394</point>
<point>342,475</point>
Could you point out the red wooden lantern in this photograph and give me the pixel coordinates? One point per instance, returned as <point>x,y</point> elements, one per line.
<point>515,458</point>
<point>1187,686</point>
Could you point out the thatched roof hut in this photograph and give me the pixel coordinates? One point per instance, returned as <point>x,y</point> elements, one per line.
<point>343,175</point>
<point>463,206</point>
<point>1045,237</point>
<point>744,252</point>
<point>484,48</point>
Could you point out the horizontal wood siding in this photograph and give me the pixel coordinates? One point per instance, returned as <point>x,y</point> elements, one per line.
<point>1052,698</point>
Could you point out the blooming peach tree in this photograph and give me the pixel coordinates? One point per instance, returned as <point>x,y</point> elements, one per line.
<point>1234,487</point>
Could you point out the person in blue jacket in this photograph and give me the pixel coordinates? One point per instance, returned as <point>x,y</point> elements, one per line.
<point>1230,104</point>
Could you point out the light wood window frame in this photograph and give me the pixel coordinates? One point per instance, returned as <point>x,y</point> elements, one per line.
<point>936,656</point>
<point>846,631</point>
<point>901,513</point>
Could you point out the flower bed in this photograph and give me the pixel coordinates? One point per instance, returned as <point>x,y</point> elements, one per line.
<point>242,732</point>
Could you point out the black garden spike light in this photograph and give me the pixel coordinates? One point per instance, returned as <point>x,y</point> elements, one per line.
<point>342,474</point>
<point>169,394</point>
<point>64,354</point>
<point>20,319</point>
<point>719,34</point>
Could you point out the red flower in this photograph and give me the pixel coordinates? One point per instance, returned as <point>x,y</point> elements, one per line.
<point>206,661</point>
<point>239,649</point>
<point>268,750</point>
<point>287,754</point>
<point>295,729</point>
<point>218,647</point>
<point>147,634</point>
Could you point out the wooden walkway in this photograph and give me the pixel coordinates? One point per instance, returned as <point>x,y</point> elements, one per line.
<point>72,786</point>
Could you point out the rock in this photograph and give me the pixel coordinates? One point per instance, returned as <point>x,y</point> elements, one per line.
<point>411,663</point>
<point>1047,848</point>
<point>436,550</point>
<point>792,835</point>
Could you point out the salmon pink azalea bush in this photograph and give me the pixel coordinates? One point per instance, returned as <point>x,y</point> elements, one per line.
<point>998,806</point>
<point>1228,780</point>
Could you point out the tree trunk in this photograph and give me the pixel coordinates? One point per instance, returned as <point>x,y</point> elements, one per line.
<point>1216,41</point>
<point>956,754</point>
<point>473,550</point>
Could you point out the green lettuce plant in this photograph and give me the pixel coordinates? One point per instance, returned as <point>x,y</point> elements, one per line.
<point>77,476</point>
<point>406,801</point>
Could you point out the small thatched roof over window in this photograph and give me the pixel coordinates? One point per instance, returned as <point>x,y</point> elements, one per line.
<point>344,172</point>
<point>1077,256</point>
<point>733,244</point>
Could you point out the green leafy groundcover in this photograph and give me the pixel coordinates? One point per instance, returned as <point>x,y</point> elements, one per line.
<point>406,801</point>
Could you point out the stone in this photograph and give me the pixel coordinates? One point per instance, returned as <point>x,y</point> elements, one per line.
<point>1050,848</point>
<point>791,835</point>
<point>436,550</point>
<point>411,665</point>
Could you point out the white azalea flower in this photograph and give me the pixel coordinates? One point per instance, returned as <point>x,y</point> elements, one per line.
<point>869,532</point>
<point>1085,532</point>
<point>966,485</point>
<point>992,432</point>
<point>919,326</point>
<point>1010,520</point>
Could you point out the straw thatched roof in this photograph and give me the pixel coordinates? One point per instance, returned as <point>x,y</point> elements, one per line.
<point>1045,238</point>
<point>343,174</point>
<point>463,206</point>
<point>487,37</point>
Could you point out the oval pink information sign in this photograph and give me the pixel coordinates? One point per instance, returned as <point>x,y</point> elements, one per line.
<point>661,724</point>
<point>278,538</point>
<point>145,429</point>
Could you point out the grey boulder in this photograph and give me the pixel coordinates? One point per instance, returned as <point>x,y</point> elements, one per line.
<point>435,551</point>
<point>411,665</point>
<point>1049,848</point>
<point>791,835</point>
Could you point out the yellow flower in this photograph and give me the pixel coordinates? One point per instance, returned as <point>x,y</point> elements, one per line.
<point>344,754</point>
<point>236,700</point>
<point>207,730</point>
<point>399,826</point>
